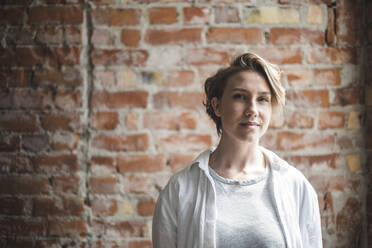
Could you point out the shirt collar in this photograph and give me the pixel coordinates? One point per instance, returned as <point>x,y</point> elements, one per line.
<point>273,160</point>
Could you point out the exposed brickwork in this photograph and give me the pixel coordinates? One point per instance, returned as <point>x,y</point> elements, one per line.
<point>101,102</point>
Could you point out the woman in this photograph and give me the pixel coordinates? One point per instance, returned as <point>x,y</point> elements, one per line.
<point>239,194</point>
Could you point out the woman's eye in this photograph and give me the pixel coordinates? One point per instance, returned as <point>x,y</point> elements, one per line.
<point>239,97</point>
<point>264,99</point>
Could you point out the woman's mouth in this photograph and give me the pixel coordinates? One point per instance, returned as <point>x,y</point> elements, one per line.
<point>250,124</point>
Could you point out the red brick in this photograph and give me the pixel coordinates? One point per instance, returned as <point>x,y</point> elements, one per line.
<point>178,162</point>
<point>67,228</point>
<point>319,162</point>
<point>68,122</point>
<point>6,99</point>
<point>207,56</point>
<point>326,183</point>
<point>104,207</point>
<point>134,142</point>
<point>281,55</point>
<point>131,121</point>
<point>68,100</point>
<point>58,206</point>
<point>106,78</point>
<point>180,78</point>
<point>68,77</point>
<point>109,244</point>
<point>104,2</point>
<point>102,37</point>
<point>141,163</point>
<point>347,96</point>
<point>56,15</point>
<point>138,184</point>
<point>328,76</point>
<point>131,228</point>
<point>332,55</point>
<point>20,36</point>
<point>331,119</point>
<point>104,185</point>
<point>304,141</point>
<point>64,141</point>
<point>196,15</point>
<point>173,36</point>
<point>189,100</point>
<point>114,100</point>
<point>285,36</point>
<point>23,227</point>
<point>299,77</point>
<point>289,36</point>
<point>305,1</point>
<point>299,120</point>
<point>13,2</point>
<point>119,57</point>
<point>65,56</point>
<point>18,122</point>
<point>66,184</point>
<point>102,165</point>
<point>348,22</point>
<point>140,244</point>
<point>226,14</point>
<point>330,32</point>
<point>9,143</point>
<point>349,217</point>
<point>162,15</point>
<point>31,99</point>
<point>162,120</point>
<point>12,16</point>
<point>57,242</point>
<point>235,35</point>
<point>19,243</point>
<point>15,164</point>
<point>56,164</point>
<point>63,1</point>
<point>183,143</point>
<point>35,143</point>
<point>116,17</point>
<point>26,185</point>
<point>130,37</point>
<point>308,98</point>
<point>344,142</point>
<point>146,207</point>
<point>23,56</point>
<point>15,78</point>
<point>49,35</point>
<point>104,120</point>
<point>73,35</point>
<point>12,206</point>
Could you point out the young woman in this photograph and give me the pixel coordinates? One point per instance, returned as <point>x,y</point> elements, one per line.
<point>239,194</point>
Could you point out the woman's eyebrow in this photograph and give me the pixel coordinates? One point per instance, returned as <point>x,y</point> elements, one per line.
<point>261,92</point>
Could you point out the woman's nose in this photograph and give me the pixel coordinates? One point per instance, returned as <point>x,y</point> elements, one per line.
<point>251,108</point>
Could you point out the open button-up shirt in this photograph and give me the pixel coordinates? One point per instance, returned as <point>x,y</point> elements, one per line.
<point>185,214</point>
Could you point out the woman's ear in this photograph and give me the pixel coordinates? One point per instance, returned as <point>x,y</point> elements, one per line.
<point>216,106</point>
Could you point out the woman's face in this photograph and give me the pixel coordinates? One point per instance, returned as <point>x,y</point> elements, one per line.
<point>245,107</point>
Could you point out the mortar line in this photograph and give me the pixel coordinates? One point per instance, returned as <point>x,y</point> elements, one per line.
<point>88,80</point>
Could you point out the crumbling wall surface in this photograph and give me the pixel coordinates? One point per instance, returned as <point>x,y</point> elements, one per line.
<point>101,102</point>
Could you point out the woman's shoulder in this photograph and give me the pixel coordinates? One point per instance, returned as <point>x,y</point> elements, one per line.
<point>287,171</point>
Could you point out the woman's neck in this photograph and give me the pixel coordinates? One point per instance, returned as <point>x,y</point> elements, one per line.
<point>234,159</point>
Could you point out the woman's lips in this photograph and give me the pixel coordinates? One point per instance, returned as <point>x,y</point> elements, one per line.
<point>250,124</point>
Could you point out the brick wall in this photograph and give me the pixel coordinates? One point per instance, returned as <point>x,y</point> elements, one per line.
<point>100,102</point>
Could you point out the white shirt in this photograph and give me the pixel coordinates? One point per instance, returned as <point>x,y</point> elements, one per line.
<point>185,214</point>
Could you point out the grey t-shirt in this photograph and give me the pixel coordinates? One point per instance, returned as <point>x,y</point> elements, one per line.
<point>245,213</point>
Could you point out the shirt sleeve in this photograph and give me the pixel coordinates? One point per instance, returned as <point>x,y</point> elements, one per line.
<point>164,223</point>
<point>311,228</point>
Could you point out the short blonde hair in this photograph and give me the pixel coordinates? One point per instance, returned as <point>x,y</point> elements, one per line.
<point>214,86</point>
